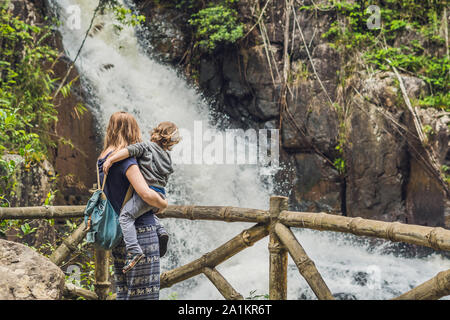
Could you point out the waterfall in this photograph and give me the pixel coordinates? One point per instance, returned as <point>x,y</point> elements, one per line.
<point>118,75</point>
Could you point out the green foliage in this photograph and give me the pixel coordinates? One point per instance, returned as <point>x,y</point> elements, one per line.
<point>216,25</point>
<point>172,296</point>
<point>254,296</point>
<point>126,17</point>
<point>26,108</point>
<point>26,229</point>
<point>380,48</point>
<point>215,22</point>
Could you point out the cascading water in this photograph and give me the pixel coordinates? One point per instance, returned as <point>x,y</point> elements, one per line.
<point>134,82</point>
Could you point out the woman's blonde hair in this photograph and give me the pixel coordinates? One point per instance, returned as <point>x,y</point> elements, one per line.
<point>123,130</point>
<point>166,135</point>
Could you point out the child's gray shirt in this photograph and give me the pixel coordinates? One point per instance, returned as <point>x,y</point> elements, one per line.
<point>155,162</point>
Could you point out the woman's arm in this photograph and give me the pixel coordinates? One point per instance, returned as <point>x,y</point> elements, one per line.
<point>119,155</point>
<point>150,196</point>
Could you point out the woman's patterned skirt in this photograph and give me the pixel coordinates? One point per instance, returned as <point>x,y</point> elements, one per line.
<point>141,282</point>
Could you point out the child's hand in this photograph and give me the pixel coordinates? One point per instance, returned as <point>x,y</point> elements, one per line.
<point>106,166</point>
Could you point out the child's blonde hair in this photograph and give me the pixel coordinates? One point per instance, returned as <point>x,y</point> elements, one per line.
<point>166,135</point>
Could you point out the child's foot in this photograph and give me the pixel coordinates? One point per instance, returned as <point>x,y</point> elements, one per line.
<point>163,239</point>
<point>132,260</point>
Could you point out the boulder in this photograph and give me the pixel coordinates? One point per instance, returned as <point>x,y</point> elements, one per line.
<point>27,275</point>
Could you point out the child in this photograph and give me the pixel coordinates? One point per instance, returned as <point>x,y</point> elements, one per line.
<point>155,164</point>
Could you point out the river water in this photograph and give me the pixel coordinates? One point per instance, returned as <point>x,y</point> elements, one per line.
<point>118,75</point>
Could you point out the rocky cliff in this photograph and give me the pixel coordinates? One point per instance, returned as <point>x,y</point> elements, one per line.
<point>74,134</point>
<point>347,138</point>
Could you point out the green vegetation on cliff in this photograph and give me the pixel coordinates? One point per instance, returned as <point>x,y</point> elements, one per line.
<point>27,112</point>
<point>411,36</point>
<point>215,23</point>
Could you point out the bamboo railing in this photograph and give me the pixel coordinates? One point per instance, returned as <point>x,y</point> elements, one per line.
<point>275,223</point>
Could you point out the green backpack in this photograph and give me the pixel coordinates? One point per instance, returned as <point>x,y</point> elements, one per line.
<point>102,221</point>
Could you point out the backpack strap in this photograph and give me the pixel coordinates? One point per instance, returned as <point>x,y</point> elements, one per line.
<point>127,196</point>
<point>98,180</point>
<point>88,225</point>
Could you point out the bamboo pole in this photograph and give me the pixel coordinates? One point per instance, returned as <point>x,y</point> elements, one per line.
<point>433,289</point>
<point>222,284</point>
<point>243,240</point>
<point>305,265</point>
<point>68,245</point>
<point>220,213</point>
<point>43,212</point>
<point>278,259</point>
<point>101,273</point>
<point>71,289</point>
<point>229,214</point>
<point>434,237</point>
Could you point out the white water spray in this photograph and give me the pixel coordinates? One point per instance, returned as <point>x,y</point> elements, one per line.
<point>154,93</point>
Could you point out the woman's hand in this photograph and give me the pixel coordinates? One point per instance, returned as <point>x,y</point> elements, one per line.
<point>161,210</point>
<point>139,184</point>
<point>106,165</point>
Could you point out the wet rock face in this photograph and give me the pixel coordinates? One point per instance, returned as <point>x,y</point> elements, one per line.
<point>317,186</point>
<point>75,163</point>
<point>167,34</point>
<point>383,178</point>
<point>27,275</point>
<point>425,200</point>
<point>376,166</point>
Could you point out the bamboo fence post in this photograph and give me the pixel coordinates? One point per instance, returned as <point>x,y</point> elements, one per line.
<point>433,289</point>
<point>220,213</point>
<point>278,259</point>
<point>222,284</point>
<point>102,283</point>
<point>68,245</point>
<point>304,264</point>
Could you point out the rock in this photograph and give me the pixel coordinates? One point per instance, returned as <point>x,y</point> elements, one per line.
<point>344,296</point>
<point>425,199</point>
<point>383,179</point>
<point>376,163</point>
<point>73,163</point>
<point>166,36</point>
<point>27,275</point>
<point>437,131</point>
<point>316,122</point>
<point>360,278</point>
<point>317,186</point>
<point>31,183</point>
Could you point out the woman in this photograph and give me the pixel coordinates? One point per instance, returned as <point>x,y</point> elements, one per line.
<point>142,282</point>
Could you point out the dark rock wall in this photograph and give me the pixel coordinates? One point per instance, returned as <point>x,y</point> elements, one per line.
<point>383,179</point>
